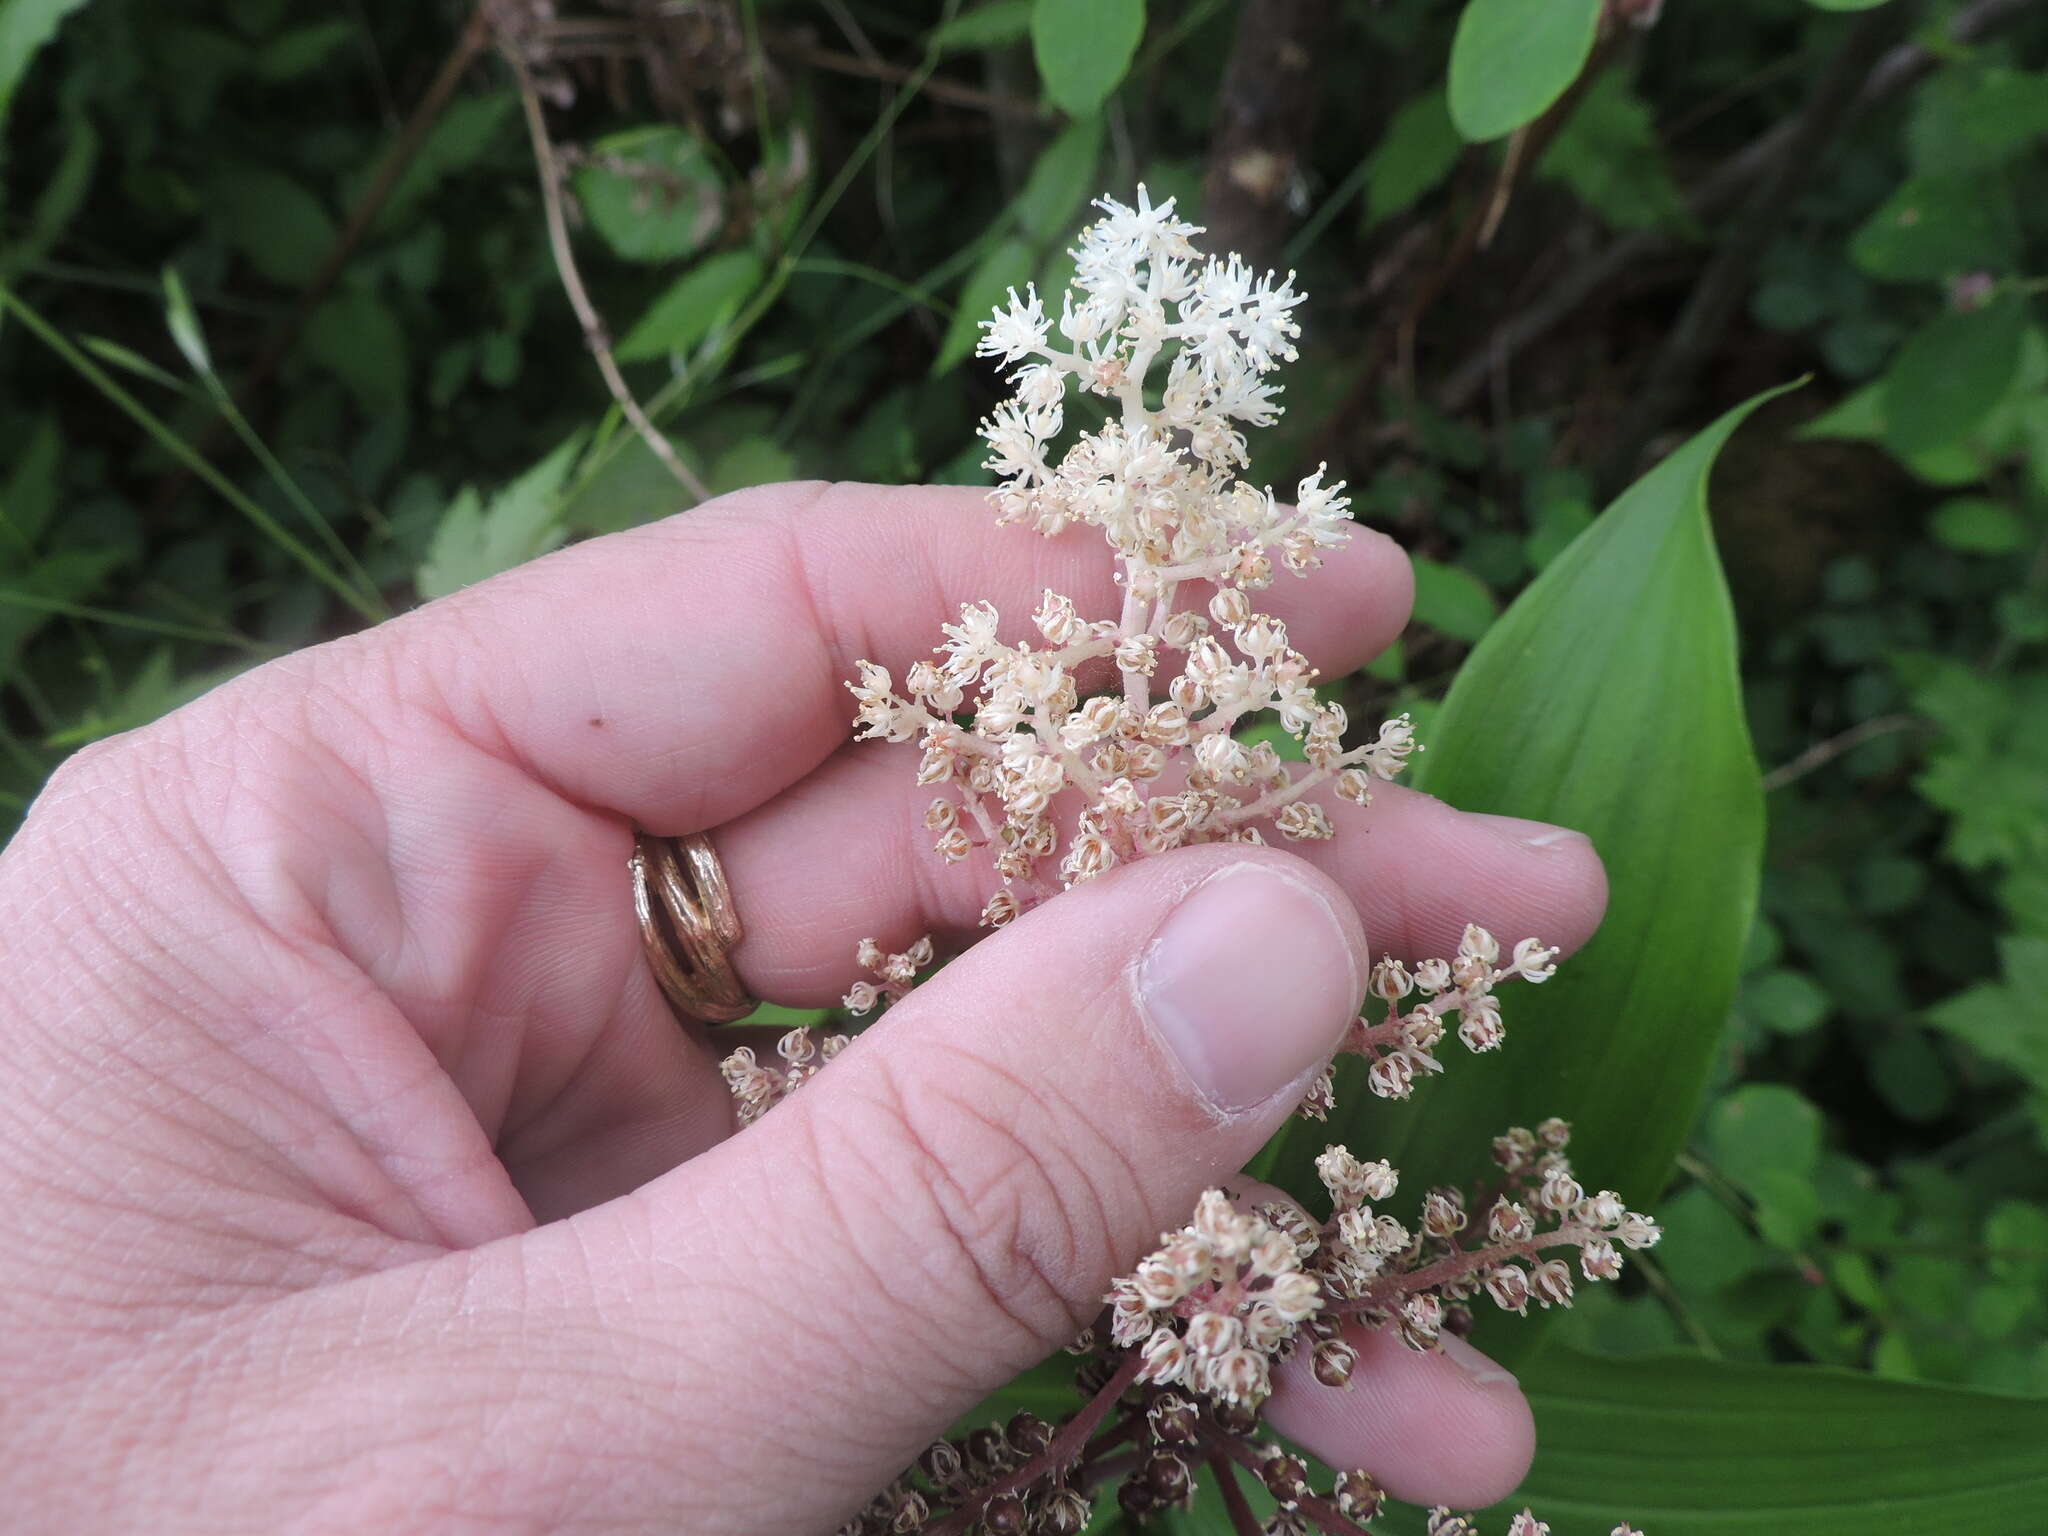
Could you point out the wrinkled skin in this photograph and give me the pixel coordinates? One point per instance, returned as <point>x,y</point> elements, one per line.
<point>361,1179</point>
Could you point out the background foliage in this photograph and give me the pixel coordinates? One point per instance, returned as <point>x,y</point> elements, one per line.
<point>286,346</point>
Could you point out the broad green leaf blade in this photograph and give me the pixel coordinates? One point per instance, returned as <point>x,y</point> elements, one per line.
<point>1606,699</point>
<point>1511,59</point>
<point>1936,227</point>
<point>701,300</point>
<point>1681,1446</point>
<point>1420,147</point>
<point>1083,48</point>
<point>474,541</point>
<point>25,26</point>
<point>652,193</point>
<point>1845,5</point>
<point>996,25</point>
<point>1950,375</point>
<point>1060,181</point>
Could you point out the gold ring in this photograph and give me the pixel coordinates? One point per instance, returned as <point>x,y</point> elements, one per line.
<point>688,926</point>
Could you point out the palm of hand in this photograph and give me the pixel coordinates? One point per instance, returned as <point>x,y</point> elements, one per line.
<point>347,1006</point>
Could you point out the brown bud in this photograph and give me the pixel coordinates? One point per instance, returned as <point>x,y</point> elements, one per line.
<point>1334,1362</point>
<point>986,1448</point>
<point>1028,1434</point>
<point>1286,1479</point>
<point>1168,1478</point>
<point>1135,1499</point>
<point>1175,1421</point>
<point>1458,1319</point>
<point>1358,1495</point>
<point>1067,1514</point>
<point>1005,1516</point>
<point>941,1463</point>
<point>1234,1418</point>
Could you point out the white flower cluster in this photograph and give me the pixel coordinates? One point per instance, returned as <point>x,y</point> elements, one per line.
<point>1041,775</point>
<point>757,1087</point>
<point>894,975</point>
<point>1232,1293</point>
<point>1216,1303</point>
<point>1402,1046</point>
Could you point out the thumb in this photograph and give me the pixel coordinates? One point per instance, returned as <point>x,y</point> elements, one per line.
<point>948,1203</point>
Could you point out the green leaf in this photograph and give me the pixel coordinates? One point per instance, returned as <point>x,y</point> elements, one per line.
<point>1858,417</point>
<point>748,462</point>
<point>1609,156</point>
<point>1008,264</point>
<point>698,303</point>
<point>301,50</point>
<point>652,193</point>
<point>1845,5</point>
<point>995,25</point>
<point>183,322</point>
<point>1084,48</point>
<point>1968,119</point>
<point>1789,1002</point>
<point>1060,180</point>
<point>1681,1446</point>
<point>281,227</point>
<point>1978,525</point>
<point>1950,375</point>
<point>461,137</point>
<point>1453,600</point>
<point>25,26</point>
<point>61,198</point>
<point>1512,59</point>
<point>1763,1128</point>
<point>153,692</point>
<point>1420,147</point>
<point>474,541</point>
<point>1935,227</point>
<point>2006,1022</point>
<point>1606,699</point>
<point>28,498</point>
<point>129,360</point>
<point>1989,769</point>
<point>357,338</point>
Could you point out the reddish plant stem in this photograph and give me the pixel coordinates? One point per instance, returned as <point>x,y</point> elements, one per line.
<point>1384,1293</point>
<point>1065,1447</point>
<point>1322,1513</point>
<point>1242,1520</point>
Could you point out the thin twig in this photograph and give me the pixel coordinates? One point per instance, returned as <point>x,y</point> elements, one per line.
<point>390,171</point>
<point>1717,296</point>
<point>1066,1445</point>
<point>952,92</point>
<point>1821,753</point>
<point>594,335</point>
<point>1716,193</point>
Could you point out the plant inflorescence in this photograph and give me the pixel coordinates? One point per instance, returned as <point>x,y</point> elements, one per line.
<point>1093,742</point>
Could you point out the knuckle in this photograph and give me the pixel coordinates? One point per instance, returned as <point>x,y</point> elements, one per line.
<point>994,1179</point>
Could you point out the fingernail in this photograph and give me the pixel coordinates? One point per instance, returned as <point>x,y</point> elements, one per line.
<point>1251,982</point>
<point>1483,1369</point>
<point>1528,834</point>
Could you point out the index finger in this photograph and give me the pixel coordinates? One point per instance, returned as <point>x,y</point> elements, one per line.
<point>682,673</point>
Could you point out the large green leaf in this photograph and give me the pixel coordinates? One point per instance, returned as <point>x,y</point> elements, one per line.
<point>1084,48</point>
<point>25,25</point>
<point>1511,59</point>
<point>1605,699</point>
<point>1681,1446</point>
<point>1950,375</point>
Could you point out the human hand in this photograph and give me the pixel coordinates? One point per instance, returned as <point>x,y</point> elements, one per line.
<point>362,1178</point>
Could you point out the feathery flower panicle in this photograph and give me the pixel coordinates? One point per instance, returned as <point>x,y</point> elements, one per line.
<point>1054,786</point>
